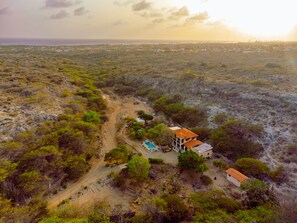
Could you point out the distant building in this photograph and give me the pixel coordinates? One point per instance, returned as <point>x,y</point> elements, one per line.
<point>184,140</point>
<point>235,177</point>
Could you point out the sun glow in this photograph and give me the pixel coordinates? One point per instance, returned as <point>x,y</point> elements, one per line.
<point>261,19</point>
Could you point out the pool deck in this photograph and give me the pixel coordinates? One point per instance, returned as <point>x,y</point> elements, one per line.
<point>156,149</point>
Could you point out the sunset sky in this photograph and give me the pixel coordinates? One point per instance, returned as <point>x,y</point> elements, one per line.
<point>205,20</point>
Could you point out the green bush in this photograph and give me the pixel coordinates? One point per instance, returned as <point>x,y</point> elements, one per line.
<point>91,116</point>
<point>191,160</point>
<point>252,166</point>
<point>138,168</point>
<point>155,161</point>
<point>118,155</point>
<point>235,139</point>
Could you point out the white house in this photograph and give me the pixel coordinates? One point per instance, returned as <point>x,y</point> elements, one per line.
<point>184,139</point>
<point>236,177</point>
<point>181,137</point>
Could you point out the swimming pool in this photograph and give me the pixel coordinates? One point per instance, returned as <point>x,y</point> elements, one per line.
<point>150,145</point>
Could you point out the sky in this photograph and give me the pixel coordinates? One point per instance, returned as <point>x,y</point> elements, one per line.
<point>201,20</point>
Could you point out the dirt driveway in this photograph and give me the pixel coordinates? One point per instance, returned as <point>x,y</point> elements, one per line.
<point>94,185</point>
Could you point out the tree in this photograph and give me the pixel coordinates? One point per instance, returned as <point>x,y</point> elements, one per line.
<point>138,168</point>
<point>213,200</point>
<point>161,134</point>
<point>172,109</point>
<point>6,168</point>
<point>31,182</point>
<point>76,166</point>
<point>252,166</point>
<point>176,209</point>
<point>91,116</point>
<point>258,193</point>
<point>260,214</point>
<point>220,118</point>
<point>160,103</point>
<point>157,208</point>
<point>203,133</point>
<point>118,155</point>
<point>216,216</point>
<point>191,160</point>
<point>189,116</point>
<point>146,117</point>
<point>235,139</point>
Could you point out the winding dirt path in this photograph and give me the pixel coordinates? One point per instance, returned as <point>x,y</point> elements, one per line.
<point>118,108</point>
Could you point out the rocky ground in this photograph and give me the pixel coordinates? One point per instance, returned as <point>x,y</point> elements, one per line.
<point>275,111</point>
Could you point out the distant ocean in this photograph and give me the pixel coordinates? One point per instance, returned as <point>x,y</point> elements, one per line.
<point>77,42</point>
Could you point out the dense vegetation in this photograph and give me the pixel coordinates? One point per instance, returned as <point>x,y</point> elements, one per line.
<point>40,160</point>
<point>236,139</point>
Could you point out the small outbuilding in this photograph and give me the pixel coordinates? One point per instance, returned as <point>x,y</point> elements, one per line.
<point>203,149</point>
<point>235,177</point>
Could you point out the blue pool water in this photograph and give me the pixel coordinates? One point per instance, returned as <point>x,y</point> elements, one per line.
<point>150,145</point>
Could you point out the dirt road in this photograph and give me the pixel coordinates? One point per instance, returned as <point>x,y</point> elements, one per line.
<point>118,108</point>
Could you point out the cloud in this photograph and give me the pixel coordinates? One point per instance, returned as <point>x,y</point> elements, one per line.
<point>60,15</point>
<point>201,17</point>
<point>152,14</point>
<point>179,13</point>
<point>125,3</point>
<point>80,11</point>
<point>4,11</point>
<point>119,23</point>
<point>140,6</point>
<point>61,3</point>
<point>158,21</point>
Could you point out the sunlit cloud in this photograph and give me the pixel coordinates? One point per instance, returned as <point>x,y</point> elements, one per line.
<point>123,3</point>
<point>201,17</point>
<point>140,6</point>
<point>182,12</point>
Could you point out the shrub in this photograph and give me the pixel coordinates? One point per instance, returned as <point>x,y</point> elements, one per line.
<point>252,166</point>
<point>203,133</point>
<point>222,165</point>
<point>118,155</point>
<point>191,160</point>
<point>91,116</point>
<point>220,118</point>
<point>155,161</point>
<point>138,168</point>
<point>235,139</point>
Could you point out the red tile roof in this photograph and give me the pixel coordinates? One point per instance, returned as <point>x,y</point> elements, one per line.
<point>185,133</point>
<point>237,175</point>
<point>193,143</point>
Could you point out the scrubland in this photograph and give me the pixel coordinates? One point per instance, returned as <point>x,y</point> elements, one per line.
<point>52,111</point>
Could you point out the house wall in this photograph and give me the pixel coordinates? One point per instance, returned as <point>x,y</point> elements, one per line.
<point>207,154</point>
<point>233,180</point>
<point>178,143</point>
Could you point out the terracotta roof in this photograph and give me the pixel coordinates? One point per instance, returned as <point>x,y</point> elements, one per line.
<point>185,133</point>
<point>237,175</point>
<point>193,143</point>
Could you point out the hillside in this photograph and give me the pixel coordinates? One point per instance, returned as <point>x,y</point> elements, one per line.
<point>63,107</point>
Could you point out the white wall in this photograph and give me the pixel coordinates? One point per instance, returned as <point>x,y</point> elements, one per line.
<point>233,180</point>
